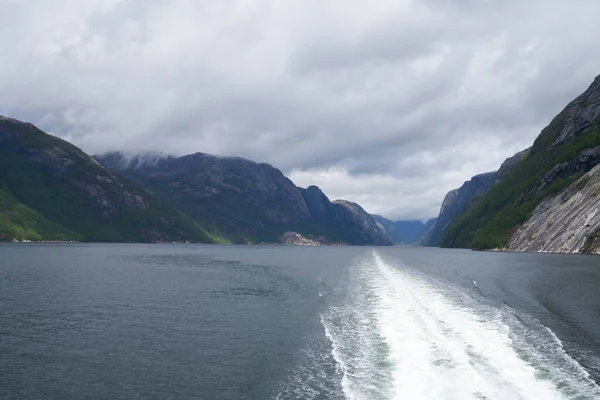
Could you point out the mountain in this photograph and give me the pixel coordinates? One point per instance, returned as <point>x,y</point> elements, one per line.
<point>429,225</point>
<point>344,220</point>
<point>466,197</point>
<point>247,201</point>
<point>456,201</point>
<point>566,223</point>
<point>405,232</point>
<point>51,190</point>
<point>243,200</point>
<point>564,151</point>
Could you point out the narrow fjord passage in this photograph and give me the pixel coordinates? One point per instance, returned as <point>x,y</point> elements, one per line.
<point>101,322</point>
<point>400,334</point>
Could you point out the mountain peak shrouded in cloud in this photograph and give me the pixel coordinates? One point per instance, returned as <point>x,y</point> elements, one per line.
<point>389,104</point>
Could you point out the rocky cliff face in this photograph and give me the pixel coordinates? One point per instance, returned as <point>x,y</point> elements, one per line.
<point>580,116</point>
<point>346,221</point>
<point>360,224</point>
<point>462,199</point>
<point>456,201</point>
<point>247,201</point>
<point>566,223</point>
<point>296,239</point>
<point>565,150</point>
<point>61,185</point>
<point>318,204</point>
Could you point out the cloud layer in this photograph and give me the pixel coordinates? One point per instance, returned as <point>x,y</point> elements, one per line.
<point>388,103</point>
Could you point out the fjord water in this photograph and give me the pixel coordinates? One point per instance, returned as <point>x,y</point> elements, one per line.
<point>267,322</point>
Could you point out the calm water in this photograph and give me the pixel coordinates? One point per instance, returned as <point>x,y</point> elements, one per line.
<point>210,322</point>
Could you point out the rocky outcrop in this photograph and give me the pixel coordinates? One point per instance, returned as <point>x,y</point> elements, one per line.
<point>296,239</point>
<point>318,204</point>
<point>405,232</point>
<point>583,162</point>
<point>566,223</point>
<point>580,115</point>
<point>358,223</point>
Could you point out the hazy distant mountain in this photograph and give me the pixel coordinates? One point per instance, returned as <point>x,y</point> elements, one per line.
<point>405,232</point>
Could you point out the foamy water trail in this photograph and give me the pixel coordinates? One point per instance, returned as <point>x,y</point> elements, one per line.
<point>402,335</point>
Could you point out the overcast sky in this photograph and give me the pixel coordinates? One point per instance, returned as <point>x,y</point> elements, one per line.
<point>390,103</point>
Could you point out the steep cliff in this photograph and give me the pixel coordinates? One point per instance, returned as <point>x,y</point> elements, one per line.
<point>466,197</point>
<point>566,223</point>
<point>354,223</point>
<point>51,190</point>
<point>344,221</point>
<point>456,201</point>
<point>564,151</point>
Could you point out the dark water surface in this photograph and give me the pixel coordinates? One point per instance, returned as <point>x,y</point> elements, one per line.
<point>266,322</point>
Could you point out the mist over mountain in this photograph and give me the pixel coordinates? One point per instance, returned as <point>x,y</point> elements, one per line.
<point>51,190</point>
<point>247,201</point>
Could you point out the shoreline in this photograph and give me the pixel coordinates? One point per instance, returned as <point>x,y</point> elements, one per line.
<point>497,250</point>
<point>504,250</point>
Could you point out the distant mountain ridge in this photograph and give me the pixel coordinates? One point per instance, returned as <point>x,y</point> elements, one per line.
<point>406,232</point>
<point>247,201</point>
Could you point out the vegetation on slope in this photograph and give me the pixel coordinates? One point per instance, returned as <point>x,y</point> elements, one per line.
<point>19,222</point>
<point>513,199</point>
<point>61,184</point>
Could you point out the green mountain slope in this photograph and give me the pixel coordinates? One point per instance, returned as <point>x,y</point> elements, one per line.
<point>562,153</point>
<point>17,221</point>
<point>52,189</point>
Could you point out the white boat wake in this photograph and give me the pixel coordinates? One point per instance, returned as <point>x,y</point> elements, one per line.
<point>402,335</point>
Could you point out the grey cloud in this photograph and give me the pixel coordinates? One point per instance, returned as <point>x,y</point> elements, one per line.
<point>390,104</point>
